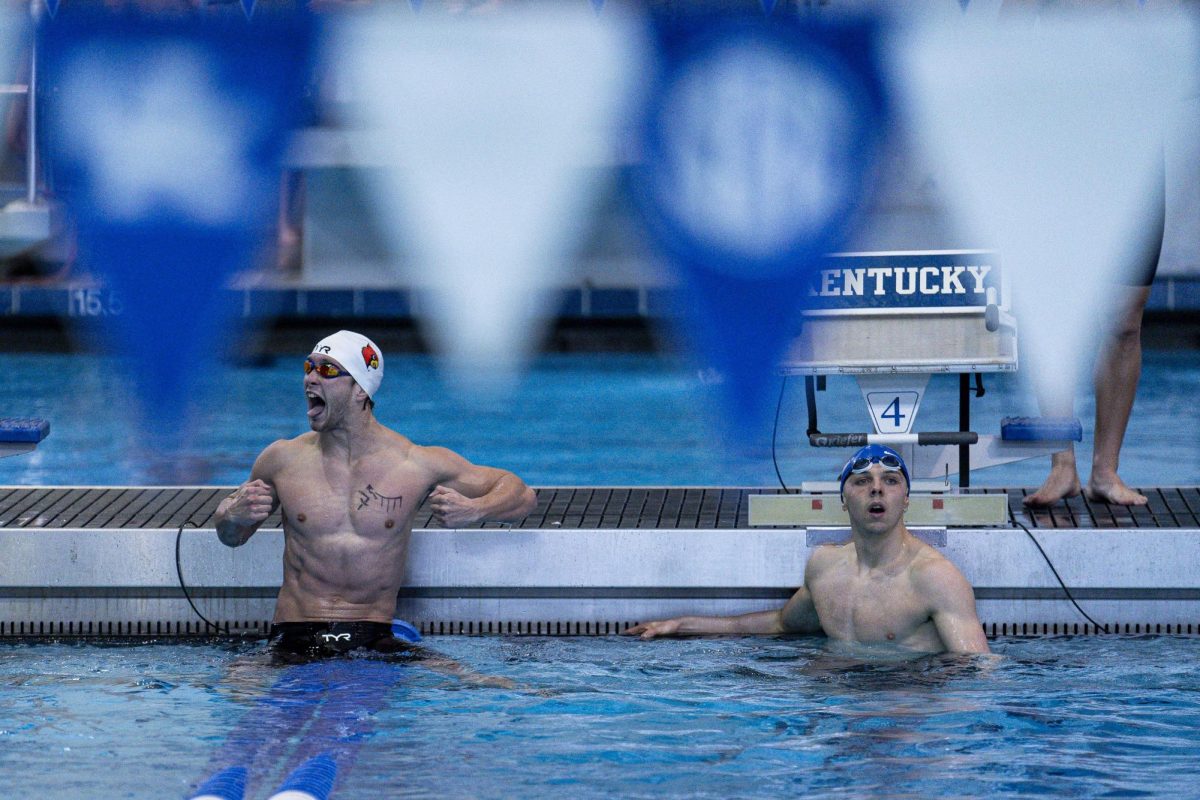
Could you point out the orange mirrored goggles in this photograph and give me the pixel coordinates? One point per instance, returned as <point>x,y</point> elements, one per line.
<point>324,369</point>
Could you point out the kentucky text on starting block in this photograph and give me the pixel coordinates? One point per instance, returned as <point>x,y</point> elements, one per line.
<point>915,312</point>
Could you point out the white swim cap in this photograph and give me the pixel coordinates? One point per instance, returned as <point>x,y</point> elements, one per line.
<point>358,355</point>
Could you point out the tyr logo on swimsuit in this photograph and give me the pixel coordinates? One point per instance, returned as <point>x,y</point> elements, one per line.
<point>336,637</point>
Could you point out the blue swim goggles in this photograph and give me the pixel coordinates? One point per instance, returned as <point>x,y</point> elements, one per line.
<point>861,461</point>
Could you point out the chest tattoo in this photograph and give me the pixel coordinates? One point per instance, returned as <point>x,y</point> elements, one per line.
<point>370,497</point>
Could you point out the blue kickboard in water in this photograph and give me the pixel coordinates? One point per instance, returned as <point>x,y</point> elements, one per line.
<point>1040,429</point>
<point>23,429</point>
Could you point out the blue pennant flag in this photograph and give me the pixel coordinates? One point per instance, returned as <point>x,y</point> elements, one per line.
<point>758,139</point>
<point>52,7</point>
<point>165,137</point>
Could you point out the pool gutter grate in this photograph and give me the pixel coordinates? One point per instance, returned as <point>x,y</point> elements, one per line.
<point>558,508</point>
<point>142,630</point>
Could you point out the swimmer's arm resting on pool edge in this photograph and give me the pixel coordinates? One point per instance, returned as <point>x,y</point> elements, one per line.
<point>798,616</point>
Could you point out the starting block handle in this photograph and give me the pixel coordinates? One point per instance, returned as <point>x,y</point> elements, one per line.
<point>892,439</point>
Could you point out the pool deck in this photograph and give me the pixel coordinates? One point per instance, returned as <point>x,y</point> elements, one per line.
<point>90,561</point>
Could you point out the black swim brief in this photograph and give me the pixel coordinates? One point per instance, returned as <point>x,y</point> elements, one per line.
<point>308,640</point>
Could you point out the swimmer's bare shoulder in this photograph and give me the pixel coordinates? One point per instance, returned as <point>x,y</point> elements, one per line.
<point>932,574</point>
<point>279,454</point>
<point>438,460</point>
<point>827,561</point>
<point>951,600</point>
<point>444,467</point>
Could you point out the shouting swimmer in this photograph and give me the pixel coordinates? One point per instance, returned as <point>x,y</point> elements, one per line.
<point>349,491</point>
<point>884,586</point>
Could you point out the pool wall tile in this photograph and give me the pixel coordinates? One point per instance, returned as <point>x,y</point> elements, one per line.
<point>37,301</point>
<point>1160,297</point>
<point>327,303</point>
<point>269,302</point>
<point>614,302</point>
<point>1177,293</point>
<point>1185,294</point>
<point>386,303</point>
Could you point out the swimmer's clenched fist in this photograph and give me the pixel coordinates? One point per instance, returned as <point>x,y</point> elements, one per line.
<point>252,502</point>
<point>245,510</point>
<point>452,509</point>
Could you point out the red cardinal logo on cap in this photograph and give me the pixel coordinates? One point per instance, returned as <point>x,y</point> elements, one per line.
<point>370,357</point>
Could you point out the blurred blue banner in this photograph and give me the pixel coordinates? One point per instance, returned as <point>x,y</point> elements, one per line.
<point>164,137</point>
<point>756,151</point>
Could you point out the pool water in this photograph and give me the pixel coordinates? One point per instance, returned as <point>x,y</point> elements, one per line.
<point>603,717</point>
<point>586,420</point>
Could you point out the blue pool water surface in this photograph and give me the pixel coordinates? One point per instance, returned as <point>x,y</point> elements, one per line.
<point>598,717</point>
<point>588,420</point>
<point>612,717</point>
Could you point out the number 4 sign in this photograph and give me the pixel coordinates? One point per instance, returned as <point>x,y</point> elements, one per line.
<point>893,400</point>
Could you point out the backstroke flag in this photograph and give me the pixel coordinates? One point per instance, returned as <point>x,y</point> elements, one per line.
<point>164,135</point>
<point>490,136</point>
<point>757,146</point>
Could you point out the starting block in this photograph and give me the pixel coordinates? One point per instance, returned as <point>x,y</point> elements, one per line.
<point>893,319</point>
<point>20,435</point>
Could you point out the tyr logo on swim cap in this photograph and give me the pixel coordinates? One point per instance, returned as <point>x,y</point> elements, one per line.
<point>358,354</point>
<point>861,461</point>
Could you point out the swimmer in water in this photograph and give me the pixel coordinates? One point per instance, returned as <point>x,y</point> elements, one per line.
<point>884,587</point>
<point>349,491</point>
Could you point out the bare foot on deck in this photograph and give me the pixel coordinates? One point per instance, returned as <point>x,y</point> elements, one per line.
<point>1062,482</point>
<point>1115,492</point>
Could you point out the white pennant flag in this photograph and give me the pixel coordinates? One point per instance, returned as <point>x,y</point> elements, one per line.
<point>491,131</point>
<point>1049,132</point>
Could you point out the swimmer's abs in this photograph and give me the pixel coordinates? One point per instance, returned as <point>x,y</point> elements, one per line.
<point>300,601</point>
